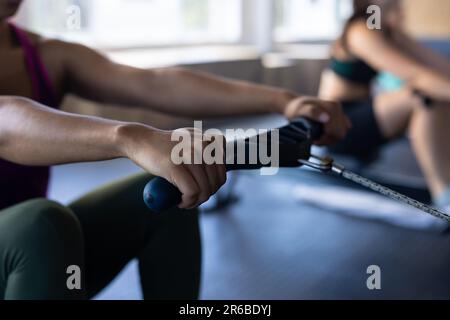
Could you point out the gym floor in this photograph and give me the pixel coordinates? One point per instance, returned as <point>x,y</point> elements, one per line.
<point>268,245</point>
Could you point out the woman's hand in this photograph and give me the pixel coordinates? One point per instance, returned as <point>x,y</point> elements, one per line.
<point>152,150</point>
<point>330,114</point>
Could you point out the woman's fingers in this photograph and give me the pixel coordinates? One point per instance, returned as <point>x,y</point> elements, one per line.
<point>201,177</point>
<point>336,127</point>
<point>215,167</point>
<point>194,177</point>
<point>330,114</point>
<point>222,173</point>
<point>184,180</point>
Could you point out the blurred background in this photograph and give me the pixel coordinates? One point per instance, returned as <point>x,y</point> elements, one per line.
<point>267,245</point>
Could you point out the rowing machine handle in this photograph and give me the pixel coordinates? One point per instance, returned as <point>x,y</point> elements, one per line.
<point>160,195</point>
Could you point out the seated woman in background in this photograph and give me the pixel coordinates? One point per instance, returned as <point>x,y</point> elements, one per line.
<point>420,107</point>
<point>103,231</point>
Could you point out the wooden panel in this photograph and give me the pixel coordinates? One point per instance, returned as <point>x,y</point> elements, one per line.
<point>429,18</point>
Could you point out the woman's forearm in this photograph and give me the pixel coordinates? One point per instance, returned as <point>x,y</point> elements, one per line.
<point>437,62</point>
<point>432,84</point>
<point>35,135</point>
<point>429,57</point>
<point>175,91</point>
<point>32,134</point>
<point>196,94</point>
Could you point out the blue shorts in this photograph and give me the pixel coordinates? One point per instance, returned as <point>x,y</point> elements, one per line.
<point>364,139</point>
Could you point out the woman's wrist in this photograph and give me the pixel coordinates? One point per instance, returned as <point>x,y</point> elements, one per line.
<point>126,137</point>
<point>282,100</point>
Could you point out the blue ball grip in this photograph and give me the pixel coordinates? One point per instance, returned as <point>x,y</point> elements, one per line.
<point>160,195</point>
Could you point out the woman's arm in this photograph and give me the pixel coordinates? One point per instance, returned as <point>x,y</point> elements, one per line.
<point>372,47</point>
<point>32,134</point>
<point>427,56</point>
<point>35,135</point>
<point>188,93</point>
<point>175,91</point>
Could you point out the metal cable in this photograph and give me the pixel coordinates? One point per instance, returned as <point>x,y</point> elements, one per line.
<point>393,194</point>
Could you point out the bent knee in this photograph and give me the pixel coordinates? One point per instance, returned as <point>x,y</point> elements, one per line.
<point>42,219</point>
<point>40,211</point>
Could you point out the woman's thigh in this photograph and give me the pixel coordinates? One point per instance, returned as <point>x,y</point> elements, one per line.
<point>115,224</point>
<point>394,110</point>
<point>118,227</point>
<point>364,138</point>
<point>376,122</point>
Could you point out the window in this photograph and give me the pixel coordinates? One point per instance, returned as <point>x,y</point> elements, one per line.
<point>149,23</point>
<point>309,20</point>
<point>139,23</point>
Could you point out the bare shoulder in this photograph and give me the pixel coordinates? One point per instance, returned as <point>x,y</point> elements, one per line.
<point>56,49</point>
<point>54,54</point>
<point>70,53</point>
<point>65,55</point>
<point>358,31</point>
<point>49,49</point>
<point>361,38</point>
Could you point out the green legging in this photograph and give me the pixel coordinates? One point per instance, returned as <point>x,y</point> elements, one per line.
<point>100,233</point>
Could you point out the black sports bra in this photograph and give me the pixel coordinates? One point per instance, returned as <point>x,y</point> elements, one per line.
<point>356,71</point>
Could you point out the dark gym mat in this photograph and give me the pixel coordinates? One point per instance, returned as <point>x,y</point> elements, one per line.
<point>269,246</point>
